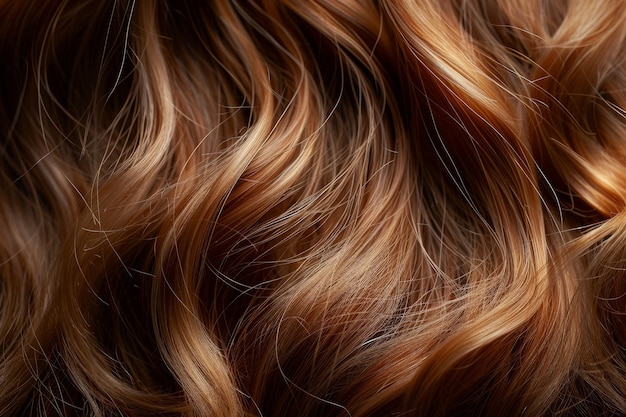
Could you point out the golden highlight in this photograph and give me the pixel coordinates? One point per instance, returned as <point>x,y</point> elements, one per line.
<point>313,208</point>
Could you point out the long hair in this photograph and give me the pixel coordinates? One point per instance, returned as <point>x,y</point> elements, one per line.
<point>313,208</point>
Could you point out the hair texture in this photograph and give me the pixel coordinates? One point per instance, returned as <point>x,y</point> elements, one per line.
<point>313,208</point>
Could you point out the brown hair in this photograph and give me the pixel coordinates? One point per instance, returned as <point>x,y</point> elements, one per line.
<point>314,207</point>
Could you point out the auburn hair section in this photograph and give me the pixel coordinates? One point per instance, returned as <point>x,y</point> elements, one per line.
<point>237,208</point>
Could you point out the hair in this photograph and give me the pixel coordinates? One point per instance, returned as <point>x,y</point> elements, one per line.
<point>313,207</point>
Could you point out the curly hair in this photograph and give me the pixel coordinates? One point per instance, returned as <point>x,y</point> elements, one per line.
<point>313,208</point>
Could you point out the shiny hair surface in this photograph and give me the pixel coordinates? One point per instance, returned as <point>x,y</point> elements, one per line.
<point>313,208</point>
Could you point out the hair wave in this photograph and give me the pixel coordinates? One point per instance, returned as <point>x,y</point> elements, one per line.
<point>315,207</point>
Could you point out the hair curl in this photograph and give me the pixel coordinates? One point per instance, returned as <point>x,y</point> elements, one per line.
<point>313,207</point>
